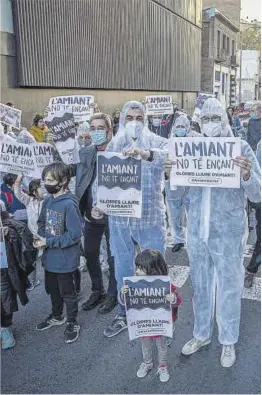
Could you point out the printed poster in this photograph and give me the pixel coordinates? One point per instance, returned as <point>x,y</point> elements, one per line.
<point>148,312</point>
<point>204,161</point>
<point>10,116</point>
<point>159,104</point>
<point>119,180</point>
<point>79,105</point>
<point>24,158</point>
<point>63,130</point>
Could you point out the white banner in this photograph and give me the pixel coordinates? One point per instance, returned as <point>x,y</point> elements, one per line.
<point>148,312</point>
<point>159,104</point>
<point>79,105</point>
<point>29,159</point>
<point>119,180</point>
<point>10,116</point>
<point>204,162</point>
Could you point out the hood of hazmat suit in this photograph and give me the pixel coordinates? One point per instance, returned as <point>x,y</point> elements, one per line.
<point>217,231</point>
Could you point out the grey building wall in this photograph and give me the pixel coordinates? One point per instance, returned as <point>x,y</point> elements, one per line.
<point>230,8</point>
<point>108,44</point>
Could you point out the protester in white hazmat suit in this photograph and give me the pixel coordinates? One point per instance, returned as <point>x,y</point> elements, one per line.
<point>134,139</point>
<point>177,199</point>
<point>217,232</point>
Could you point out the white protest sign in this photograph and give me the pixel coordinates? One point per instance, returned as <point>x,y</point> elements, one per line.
<point>63,130</point>
<point>119,180</point>
<point>204,161</point>
<point>148,312</point>
<point>79,105</point>
<point>29,159</point>
<point>159,104</point>
<point>10,116</point>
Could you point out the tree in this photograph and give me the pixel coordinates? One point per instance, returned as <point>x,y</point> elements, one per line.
<point>251,38</point>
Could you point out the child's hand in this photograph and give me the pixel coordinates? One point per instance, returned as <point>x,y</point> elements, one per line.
<point>40,244</point>
<point>19,178</point>
<point>170,298</point>
<point>124,289</point>
<point>96,213</point>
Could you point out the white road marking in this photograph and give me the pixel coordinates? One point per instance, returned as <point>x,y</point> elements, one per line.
<point>179,275</point>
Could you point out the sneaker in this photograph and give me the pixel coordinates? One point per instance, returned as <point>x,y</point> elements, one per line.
<point>177,247</point>
<point>8,340</point>
<point>49,322</point>
<point>163,374</point>
<point>249,280</point>
<point>228,356</point>
<point>108,305</point>
<point>194,345</point>
<point>33,286</point>
<point>144,368</point>
<point>118,325</point>
<point>71,332</point>
<point>95,299</point>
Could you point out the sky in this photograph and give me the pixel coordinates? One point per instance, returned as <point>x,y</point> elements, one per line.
<point>251,8</point>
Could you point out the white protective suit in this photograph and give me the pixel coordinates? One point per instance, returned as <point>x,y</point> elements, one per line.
<point>149,231</point>
<point>217,233</point>
<point>177,199</point>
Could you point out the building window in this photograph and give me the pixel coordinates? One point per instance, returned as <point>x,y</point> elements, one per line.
<point>228,51</point>
<point>223,83</point>
<point>233,47</point>
<point>218,42</point>
<point>224,41</point>
<point>217,76</point>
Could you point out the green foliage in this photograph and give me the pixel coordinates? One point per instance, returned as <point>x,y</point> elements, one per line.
<point>251,38</point>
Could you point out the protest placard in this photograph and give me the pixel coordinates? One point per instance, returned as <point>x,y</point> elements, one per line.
<point>119,179</point>
<point>204,161</point>
<point>148,312</point>
<point>79,105</point>
<point>24,158</point>
<point>10,116</point>
<point>159,104</point>
<point>200,100</point>
<point>63,130</point>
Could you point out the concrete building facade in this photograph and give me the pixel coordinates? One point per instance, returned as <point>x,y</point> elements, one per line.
<point>219,56</point>
<point>116,50</point>
<point>230,8</point>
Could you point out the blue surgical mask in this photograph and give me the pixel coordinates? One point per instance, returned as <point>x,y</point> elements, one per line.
<point>253,115</point>
<point>156,122</point>
<point>98,137</point>
<point>179,132</point>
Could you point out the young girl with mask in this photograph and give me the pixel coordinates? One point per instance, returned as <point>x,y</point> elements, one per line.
<point>33,202</point>
<point>152,263</point>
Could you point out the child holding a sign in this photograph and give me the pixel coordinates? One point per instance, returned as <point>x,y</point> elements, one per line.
<point>152,263</point>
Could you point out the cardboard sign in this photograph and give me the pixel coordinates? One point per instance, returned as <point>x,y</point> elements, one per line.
<point>79,105</point>
<point>63,129</point>
<point>24,158</point>
<point>10,116</point>
<point>204,162</point>
<point>160,104</point>
<point>119,180</point>
<point>148,312</point>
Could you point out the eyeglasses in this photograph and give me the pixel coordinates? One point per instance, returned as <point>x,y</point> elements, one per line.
<point>214,118</point>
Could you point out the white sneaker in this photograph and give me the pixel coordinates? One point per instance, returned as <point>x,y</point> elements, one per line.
<point>194,345</point>
<point>163,374</point>
<point>228,356</point>
<point>144,368</point>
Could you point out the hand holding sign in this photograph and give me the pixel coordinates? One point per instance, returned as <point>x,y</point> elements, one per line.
<point>244,165</point>
<point>135,152</point>
<point>96,213</point>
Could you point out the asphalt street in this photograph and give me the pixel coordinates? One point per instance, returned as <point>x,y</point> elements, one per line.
<point>41,362</point>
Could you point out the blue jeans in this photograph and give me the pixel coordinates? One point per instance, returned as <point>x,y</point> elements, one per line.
<point>123,250</point>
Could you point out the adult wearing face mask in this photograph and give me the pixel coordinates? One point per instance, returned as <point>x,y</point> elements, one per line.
<point>254,127</point>
<point>160,124</point>
<point>177,200</point>
<point>91,142</point>
<point>134,139</point>
<point>217,228</point>
<point>39,129</point>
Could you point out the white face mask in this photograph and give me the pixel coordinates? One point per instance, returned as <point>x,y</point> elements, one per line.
<point>134,129</point>
<point>212,129</point>
<point>156,122</point>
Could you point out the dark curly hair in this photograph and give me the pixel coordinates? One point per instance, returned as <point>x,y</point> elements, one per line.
<point>59,171</point>
<point>152,263</point>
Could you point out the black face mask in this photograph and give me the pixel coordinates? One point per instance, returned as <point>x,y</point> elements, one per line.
<point>52,189</point>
